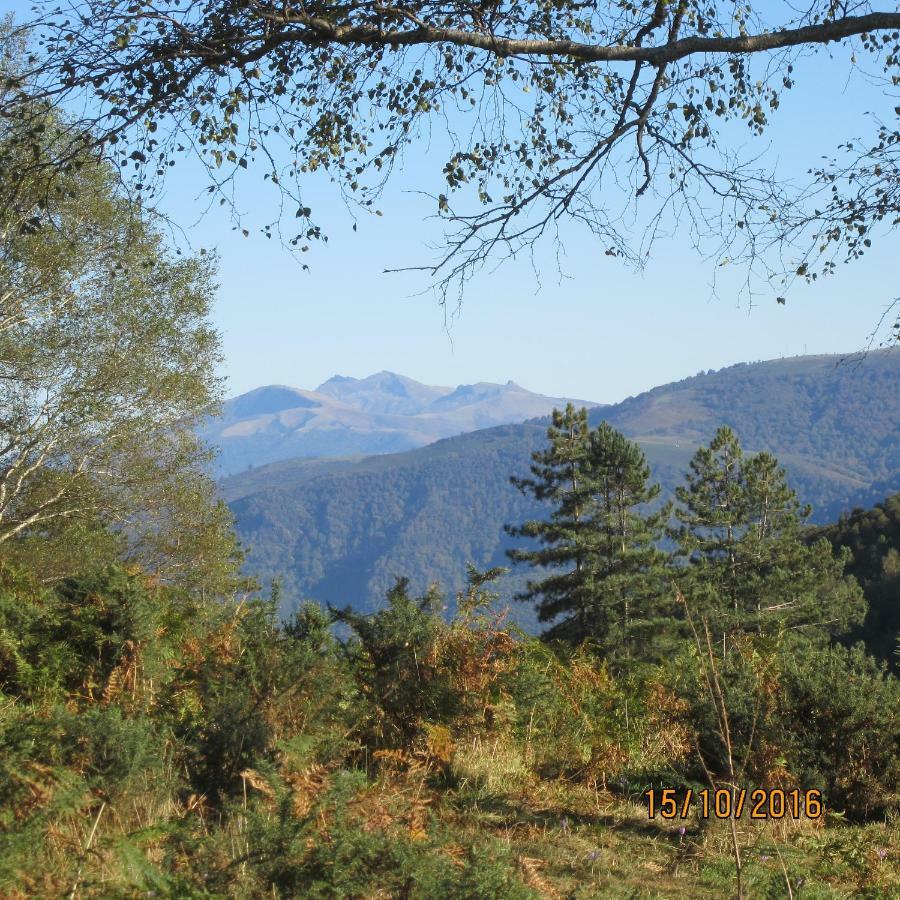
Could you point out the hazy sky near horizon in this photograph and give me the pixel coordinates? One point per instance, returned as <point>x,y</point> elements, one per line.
<point>602,332</point>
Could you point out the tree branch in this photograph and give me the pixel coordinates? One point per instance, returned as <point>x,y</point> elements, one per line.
<point>318,30</point>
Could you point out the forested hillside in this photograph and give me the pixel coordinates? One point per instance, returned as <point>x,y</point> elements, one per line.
<point>340,530</point>
<point>343,534</point>
<point>837,415</point>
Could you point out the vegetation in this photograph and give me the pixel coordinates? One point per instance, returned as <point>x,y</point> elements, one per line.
<point>152,741</point>
<point>748,568</point>
<point>107,363</point>
<point>164,738</point>
<point>163,732</point>
<point>603,573</point>
<point>873,540</point>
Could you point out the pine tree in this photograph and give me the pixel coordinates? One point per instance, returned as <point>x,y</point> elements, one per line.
<point>790,582</point>
<point>559,478</point>
<point>626,613</point>
<point>742,534</point>
<point>712,513</point>
<point>605,573</point>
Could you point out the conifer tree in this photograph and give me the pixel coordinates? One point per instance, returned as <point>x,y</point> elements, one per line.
<point>749,567</point>
<point>712,512</point>
<point>625,617</point>
<point>560,479</point>
<point>604,571</point>
<point>789,581</point>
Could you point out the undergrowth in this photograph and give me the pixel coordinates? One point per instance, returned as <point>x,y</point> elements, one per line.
<point>154,745</point>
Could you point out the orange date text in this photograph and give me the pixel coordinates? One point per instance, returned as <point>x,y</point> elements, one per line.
<point>727,803</point>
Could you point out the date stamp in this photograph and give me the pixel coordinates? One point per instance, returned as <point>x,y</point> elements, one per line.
<point>725,803</point>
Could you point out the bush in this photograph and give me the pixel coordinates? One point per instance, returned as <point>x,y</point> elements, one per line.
<point>841,714</point>
<point>333,850</point>
<point>748,676</point>
<point>394,657</point>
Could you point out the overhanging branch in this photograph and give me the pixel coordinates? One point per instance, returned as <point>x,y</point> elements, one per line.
<point>318,30</point>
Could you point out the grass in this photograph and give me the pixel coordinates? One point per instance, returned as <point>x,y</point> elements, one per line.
<point>573,841</point>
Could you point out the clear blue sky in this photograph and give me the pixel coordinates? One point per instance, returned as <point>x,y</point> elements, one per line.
<point>602,334</point>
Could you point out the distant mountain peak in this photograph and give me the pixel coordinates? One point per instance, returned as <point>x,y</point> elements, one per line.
<point>337,379</point>
<point>272,398</point>
<point>383,393</point>
<point>392,381</point>
<point>377,379</point>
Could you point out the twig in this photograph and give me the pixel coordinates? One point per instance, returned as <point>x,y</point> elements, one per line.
<point>87,847</point>
<point>714,686</point>
<point>787,880</point>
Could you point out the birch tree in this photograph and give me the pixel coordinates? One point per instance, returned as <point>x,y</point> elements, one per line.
<point>106,362</point>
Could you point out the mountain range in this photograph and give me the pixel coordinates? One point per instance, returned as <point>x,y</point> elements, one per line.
<point>341,529</point>
<point>384,413</point>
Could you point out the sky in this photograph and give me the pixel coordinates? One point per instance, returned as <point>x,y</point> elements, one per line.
<point>601,333</point>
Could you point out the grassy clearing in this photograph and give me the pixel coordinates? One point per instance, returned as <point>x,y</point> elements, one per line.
<point>573,841</point>
<point>481,826</point>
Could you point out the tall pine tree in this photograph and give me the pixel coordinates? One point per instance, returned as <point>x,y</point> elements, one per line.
<point>742,537</point>
<point>712,514</point>
<point>604,574</point>
<point>626,615</point>
<point>560,478</point>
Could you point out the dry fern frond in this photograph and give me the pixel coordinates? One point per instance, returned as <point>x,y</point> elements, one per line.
<point>531,869</point>
<point>457,854</point>
<point>124,676</point>
<point>439,745</point>
<point>392,761</point>
<point>306,787</point>
<point>40,780</point>
<point>258,782</point>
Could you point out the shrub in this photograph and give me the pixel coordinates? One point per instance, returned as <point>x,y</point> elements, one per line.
<point>841,714</point>
<point>748,676</point>
<point>394,657</point>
